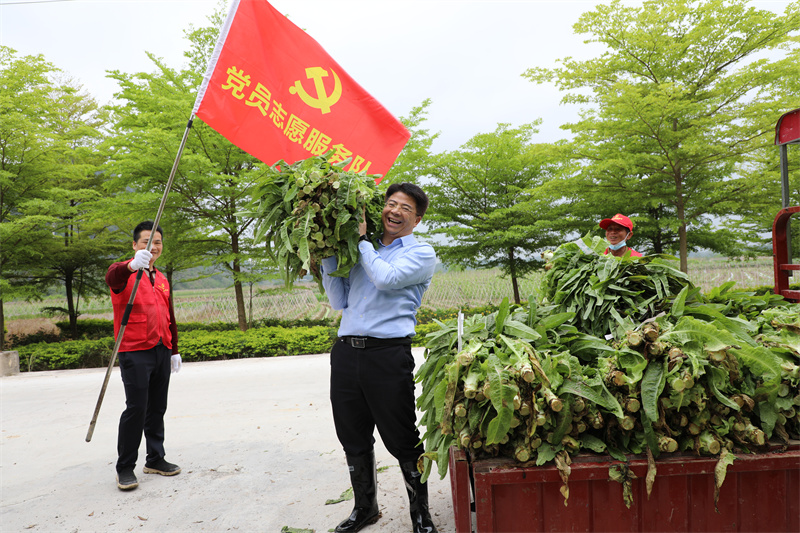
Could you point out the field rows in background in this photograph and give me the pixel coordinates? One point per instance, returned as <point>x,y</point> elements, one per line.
<point>448,290</point>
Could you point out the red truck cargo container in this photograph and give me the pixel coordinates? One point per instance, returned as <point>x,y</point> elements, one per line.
<point>761,492</point>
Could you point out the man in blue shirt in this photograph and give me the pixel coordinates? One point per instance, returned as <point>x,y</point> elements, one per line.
<point>372,368</point>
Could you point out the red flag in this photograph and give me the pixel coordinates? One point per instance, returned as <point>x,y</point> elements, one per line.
<point>274,92</point>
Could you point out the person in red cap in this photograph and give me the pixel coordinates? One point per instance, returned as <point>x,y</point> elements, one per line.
<point>619,229</point>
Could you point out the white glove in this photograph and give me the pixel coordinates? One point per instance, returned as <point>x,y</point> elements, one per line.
<point>175,362</point>
<point>141,260</point>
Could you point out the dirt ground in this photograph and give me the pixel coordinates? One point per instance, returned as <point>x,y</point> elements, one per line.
<point>254,438</point>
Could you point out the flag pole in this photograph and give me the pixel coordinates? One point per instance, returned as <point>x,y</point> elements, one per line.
<point>129,307</point>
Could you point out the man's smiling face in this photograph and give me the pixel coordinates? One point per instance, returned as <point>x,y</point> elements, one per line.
<point>399,217</point>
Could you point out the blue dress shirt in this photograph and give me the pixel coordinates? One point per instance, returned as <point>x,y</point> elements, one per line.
<point>381,296</point>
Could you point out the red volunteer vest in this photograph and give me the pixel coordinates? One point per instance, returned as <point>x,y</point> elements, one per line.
<point>149,318</point>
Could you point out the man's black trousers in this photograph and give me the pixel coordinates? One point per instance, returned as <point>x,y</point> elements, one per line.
<point>374,386</point>
<point>145,376</point>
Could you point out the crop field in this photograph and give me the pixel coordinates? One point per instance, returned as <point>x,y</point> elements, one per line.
<point>448,290</point>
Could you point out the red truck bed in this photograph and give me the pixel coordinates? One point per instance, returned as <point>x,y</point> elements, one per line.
<point>761,492</point>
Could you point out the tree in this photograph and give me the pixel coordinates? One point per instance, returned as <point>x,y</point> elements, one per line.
<point>414,160</point>
<point>25,160</point>
<point>214,178</point>
<point>489,199</point>
<point>685,91</point>
<point>47,181</point>
<point>77,249</point>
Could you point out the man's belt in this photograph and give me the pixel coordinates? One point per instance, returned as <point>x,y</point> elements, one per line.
<point>371,342</point>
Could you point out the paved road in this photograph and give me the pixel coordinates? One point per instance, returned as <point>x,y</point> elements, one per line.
<point>254,438</point>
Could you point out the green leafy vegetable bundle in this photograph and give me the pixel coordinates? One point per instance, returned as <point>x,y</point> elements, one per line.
<point>311,210</point>
<point>601,290</point>
<point>713,374</point>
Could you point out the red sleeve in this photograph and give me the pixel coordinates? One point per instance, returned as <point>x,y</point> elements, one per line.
<point>118,275</point>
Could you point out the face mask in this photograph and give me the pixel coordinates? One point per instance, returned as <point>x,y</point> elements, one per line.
<point>617,246</point>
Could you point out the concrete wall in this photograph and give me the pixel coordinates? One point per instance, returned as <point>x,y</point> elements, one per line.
<point>9,363</point>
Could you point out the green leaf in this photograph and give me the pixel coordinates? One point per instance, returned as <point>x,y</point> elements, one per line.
<point>680,301</point>
<point>598,394</point>
<point>653,383</point>
<point>726,459</point>
<point>520,331</point>
<point>591,442</point>
<point>718,378</point>
<point>343,497</point>
<point>502,314</point>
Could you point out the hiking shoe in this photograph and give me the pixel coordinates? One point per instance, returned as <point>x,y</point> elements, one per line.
<point>126,480</point>
<point>161,467</point>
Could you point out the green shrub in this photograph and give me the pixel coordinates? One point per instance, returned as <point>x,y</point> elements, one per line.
<point>422,331</point>
<point>255,342</point>
<point>207,326</point>
<point>427,315</point>
<point>90,328</point>
<point>66,355</point>
<point>332,322</point>
<point>197,345</point>
<point>23,339</point>
<point>95,328</point>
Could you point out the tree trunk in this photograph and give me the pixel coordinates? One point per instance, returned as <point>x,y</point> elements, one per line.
<point>683,244</point>
<point>680,205</point>
<point>513,271</point>
<point>240,309</point>
<point>73,316</point>
<point>241,314</point>
<point>2,326</point>
<point>657,240</point>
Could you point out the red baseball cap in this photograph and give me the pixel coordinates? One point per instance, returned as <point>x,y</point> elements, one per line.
<point>620,219</point>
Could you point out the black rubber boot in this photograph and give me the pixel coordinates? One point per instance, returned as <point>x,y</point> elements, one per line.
<point>417,499</point>
<point>364,479</point>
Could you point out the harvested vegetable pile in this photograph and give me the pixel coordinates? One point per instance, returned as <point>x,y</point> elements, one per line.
<point>622,356</point>
<point>311,210</point>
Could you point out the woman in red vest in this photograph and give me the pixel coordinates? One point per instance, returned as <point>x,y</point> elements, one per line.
<point>148,354</point>
<point>619,229</point>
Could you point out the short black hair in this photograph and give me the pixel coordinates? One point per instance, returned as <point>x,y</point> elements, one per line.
<point>147,225</point>
<point>414,191</point>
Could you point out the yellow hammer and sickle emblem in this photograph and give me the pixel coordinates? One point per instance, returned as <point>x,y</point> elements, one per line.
<point>323,101</point>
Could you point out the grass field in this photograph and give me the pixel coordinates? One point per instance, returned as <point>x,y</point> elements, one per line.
<point>448,290</point>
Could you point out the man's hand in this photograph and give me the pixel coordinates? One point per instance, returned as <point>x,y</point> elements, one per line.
<point>362,226</point>
<point>175,363</point>
<point>141,260</point>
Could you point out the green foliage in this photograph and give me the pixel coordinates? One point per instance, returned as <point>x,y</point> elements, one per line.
<point>663,369</point>
<point>214,181</point>
<point>422,331</point>
<point>426,314</point>
<point>300,323</point>
<point>97,328</point>
<point>604,292</point>
<point>49,185</point>
<point>88,328</point>
<point>415,158</point>
<point>195,345</point>
<point>14,341</point>
<point>255,342</point>
<point>491,201</point>
<point>673,112</point>
<point>66,355</point>
<point>311,210</point>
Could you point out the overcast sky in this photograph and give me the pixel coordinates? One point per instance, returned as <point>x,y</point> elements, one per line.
<point>467,56</point>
